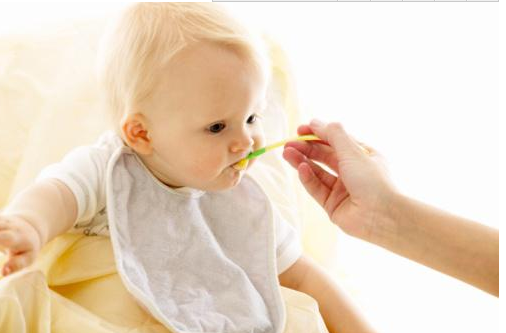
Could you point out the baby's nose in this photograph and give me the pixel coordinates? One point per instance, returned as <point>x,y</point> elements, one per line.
<point>243,143</point>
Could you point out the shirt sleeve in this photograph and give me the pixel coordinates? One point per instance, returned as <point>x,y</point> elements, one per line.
<point>83,170</point>
<point>288,247</point>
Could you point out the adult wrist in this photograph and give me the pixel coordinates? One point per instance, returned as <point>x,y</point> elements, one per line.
<point>385,228</point>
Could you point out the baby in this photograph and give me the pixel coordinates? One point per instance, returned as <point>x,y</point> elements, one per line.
<point>195,239</point>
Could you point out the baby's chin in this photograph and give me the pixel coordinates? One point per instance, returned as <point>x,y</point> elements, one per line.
<point>232,178</point>
<point>229,178</point>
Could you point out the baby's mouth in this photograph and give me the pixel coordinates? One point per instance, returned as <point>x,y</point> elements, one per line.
<point>241,165</point>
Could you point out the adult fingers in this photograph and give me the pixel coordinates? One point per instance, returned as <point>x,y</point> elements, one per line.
<point>304,130</point>
<point>308,129</point>
<point>338,194</point>
<point>313,185</point>
<point>333,133</point>
<point>337,191</point>
<point>317,152</point>
<point>295,158</point>
<point>332,195</point>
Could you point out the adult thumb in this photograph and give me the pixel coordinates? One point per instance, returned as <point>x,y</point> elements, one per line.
<point>335,135</point>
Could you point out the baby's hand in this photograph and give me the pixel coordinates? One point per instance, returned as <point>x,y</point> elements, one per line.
<point>21,242</point>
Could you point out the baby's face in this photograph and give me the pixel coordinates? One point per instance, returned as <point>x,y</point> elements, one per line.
<point>203,118</point>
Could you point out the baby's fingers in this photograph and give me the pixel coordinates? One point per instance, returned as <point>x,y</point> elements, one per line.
<point>8,239</point>
<point>17,262</point>
<point>14,241</point>
<point>19,257</point>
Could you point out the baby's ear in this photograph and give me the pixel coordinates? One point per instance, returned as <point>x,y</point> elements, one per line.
<point>135,133</point>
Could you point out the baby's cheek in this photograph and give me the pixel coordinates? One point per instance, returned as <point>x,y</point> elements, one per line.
<point>258,138</point>
<point>259,144</point>
<point>206,167</point>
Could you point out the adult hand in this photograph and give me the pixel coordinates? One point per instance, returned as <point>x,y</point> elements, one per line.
<point>361,200</point>
<point>359,190</point>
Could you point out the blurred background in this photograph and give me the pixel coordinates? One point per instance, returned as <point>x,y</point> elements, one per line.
<point>417,81</point>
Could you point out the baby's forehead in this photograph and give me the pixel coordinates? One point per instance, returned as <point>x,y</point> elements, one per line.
<point>206,58</point>
<point>207,80</point>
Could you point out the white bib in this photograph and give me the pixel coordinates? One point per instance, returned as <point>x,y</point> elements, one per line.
<point>198,261</point>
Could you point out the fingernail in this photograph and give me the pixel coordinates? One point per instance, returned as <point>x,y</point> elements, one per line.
<point>7,271</point>
<point>316,122</point>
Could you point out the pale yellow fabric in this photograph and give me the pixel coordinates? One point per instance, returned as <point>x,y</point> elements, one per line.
<point>74,287</point>
<point>48,100</point>
<point>49,105</point>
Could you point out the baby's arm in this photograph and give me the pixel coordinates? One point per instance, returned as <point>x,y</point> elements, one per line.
<point>337,310</point>
<point>35,216</point>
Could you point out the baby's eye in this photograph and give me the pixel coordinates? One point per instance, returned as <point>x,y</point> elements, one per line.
<point>252,119</point>
<point>216,128</point>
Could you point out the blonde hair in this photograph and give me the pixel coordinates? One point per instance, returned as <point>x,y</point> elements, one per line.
<point>146,36</point>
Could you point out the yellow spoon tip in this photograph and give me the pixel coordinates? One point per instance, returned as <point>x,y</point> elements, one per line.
<point>242,164</point>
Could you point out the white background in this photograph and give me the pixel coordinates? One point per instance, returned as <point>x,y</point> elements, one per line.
<point>420,83</point>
